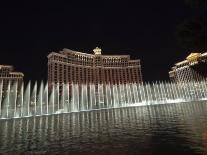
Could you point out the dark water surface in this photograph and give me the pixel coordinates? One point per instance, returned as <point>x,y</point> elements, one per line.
<point>171,129</point>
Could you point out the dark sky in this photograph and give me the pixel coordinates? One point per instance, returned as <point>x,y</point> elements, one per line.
<point>145,30</point>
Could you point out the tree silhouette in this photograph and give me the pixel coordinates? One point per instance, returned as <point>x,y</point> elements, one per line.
<point>197,3</point>
<point>192,33</point>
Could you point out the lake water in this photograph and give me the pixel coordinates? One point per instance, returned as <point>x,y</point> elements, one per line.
<point>169,129</point>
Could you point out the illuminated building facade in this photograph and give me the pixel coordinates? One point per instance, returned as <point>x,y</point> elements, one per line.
<point>7,75</point>
<point>193,68</point>
<point>70,66</point>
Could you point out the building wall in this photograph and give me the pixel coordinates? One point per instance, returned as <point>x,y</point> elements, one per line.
<point>194,68</point>
<point>187,74</point>
<point>7,75</point>
<point>75,67</point>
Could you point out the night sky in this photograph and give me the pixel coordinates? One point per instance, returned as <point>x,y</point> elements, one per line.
<point>145,30</point>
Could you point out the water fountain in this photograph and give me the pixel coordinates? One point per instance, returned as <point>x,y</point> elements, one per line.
<point>37,99</point>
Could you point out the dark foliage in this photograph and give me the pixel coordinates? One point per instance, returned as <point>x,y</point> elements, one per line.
<point>192,33</point>
<point>202,4</point>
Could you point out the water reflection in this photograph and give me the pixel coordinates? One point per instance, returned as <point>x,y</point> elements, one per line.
<point>159,129</point>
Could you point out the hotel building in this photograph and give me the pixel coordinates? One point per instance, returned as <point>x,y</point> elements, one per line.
<point>7,75</point>
<point>193,68</point>
<point>70,66</point>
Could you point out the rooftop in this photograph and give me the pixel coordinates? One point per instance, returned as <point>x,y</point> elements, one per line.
<point>193,56</point>
<point>16,73</point>
<point>6,66</point>
<point>97,51</point>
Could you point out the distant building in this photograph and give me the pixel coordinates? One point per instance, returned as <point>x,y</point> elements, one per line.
<point>7,75</point>
<point>193,68</point>
<point>70,66</point>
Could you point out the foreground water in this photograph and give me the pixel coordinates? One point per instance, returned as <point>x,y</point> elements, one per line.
<point>179,128</point>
